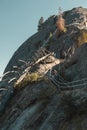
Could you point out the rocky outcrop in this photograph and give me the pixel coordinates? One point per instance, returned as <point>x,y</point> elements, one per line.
<point>74,67</point>
<point>44,86</point>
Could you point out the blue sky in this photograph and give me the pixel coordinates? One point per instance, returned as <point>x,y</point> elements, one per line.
<point>19,20</point>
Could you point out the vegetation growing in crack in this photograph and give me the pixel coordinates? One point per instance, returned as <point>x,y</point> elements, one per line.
<point>81,37</point>
<point>27,78</point>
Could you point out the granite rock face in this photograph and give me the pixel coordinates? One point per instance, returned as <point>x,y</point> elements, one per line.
<point>41,102</point>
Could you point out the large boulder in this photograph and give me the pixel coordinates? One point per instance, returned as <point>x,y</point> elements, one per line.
<point>29,97</point>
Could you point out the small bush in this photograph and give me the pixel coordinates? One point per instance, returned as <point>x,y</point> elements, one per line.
<point>81,37</point>
<point>27,78</point>
<point>33,77</point>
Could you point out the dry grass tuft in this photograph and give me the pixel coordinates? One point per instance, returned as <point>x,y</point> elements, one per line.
<point>27,78</point>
